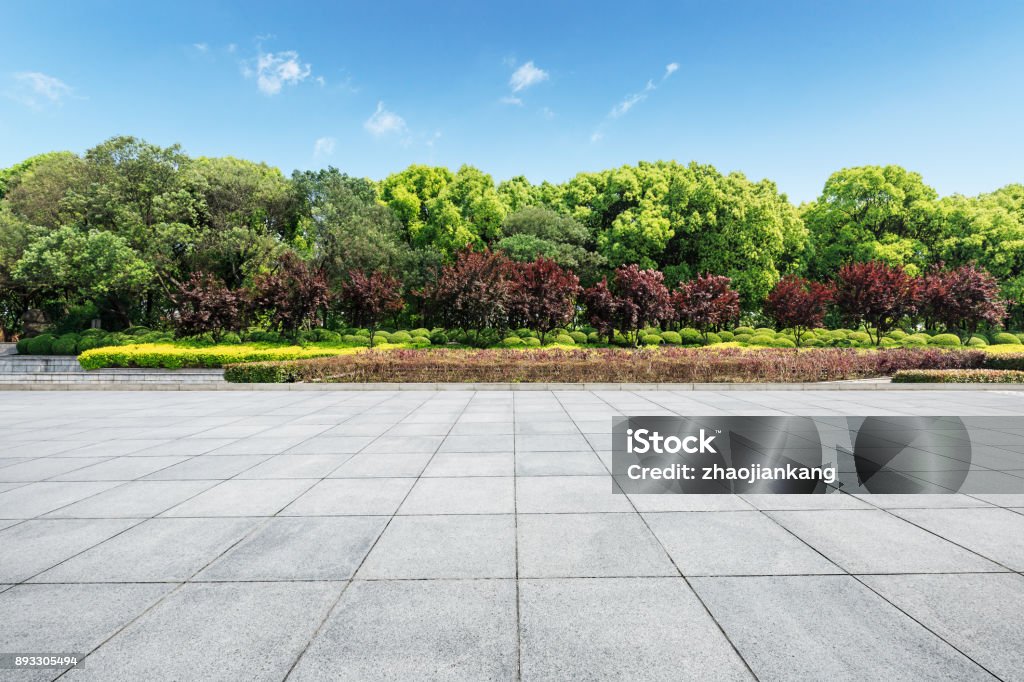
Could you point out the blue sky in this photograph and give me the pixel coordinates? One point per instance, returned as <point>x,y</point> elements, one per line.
<point>791,91</point>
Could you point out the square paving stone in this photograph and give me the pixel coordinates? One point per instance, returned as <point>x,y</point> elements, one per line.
<point>258,445</point>
<point>734,543</point>
<point>472,495</point>
<point>589,545</point>
<point>552,443</point>
<point>330,446</point>
<point>690,502</point>
<point>295,466</point>
<point>417,630</point>
<point>209,631</point>
<point>994,533</point>
<point>477,546</point>
<point>785,502</point>
<point>35,499</point>
<point>560,494</point>
<point>319,548</point>
<point>351,497</point>
<point>207,467</point>
<point>243,498</point>
<point>383,464</point>
<point>978,614</point>
<point>120,469</point>
<point>188,447</point>
<point>42,468</point>
<point>135,499</point>
<point>872,541</point>
<point>494,442</point>
<point>827,628</point>
<point>113,448</point>
<point>35,546</point>
<point>71,618</point>
<point>447,464</point>
<point>158,550</point>
<point>582,463</point>
<point>406,444</point>
<point>621,628</point>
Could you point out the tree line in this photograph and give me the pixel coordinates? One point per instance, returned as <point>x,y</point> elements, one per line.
<point>135,234</point>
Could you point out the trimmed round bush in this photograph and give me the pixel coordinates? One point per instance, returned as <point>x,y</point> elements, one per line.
<point>782,342</point>
<point>41,345</point>
<point>821,332</point>
<point>354,340</point>
<point>946,340</point>
<point>594,337</point>
<point>578,337</point>
<point>1004,338</point>
<point>915,340</point>
<point>512,342</point>
<point>743,330</point>
<point>811,341</point>
<point>651,339</point>
<point>401,337</point>
<point>22,346</point>
<point>672,338</point>
<point>438,338</point>
<point>897,334</point>
<point>713,338</point>
<point>363,332</point>
<point>888,342</point>
<point>742,338</point>
<point>690,336</point>
<point>65,345</point>
<point>1020,337</point>
<point>647,331</point>
<point>527,334</point>
<point>725,336</point>
<point>420,342</point>
<point>421,331</point>
<point>531,341</point>
<point>764,330</point>
<point>859,337</point>
<point>977,342</point>
<point>564,340</point>
<point>838,334</point>
<point>232,337</point>
<point>762,339</point>
<point>380,339</point>
<point>92,331</point>
<point>137,331</point>
<point>92,341</point>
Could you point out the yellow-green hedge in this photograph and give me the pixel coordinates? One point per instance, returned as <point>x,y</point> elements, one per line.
<point>170,356</point>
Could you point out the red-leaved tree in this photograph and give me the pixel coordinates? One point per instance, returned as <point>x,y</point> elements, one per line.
<point>543,295</point>
<point>366,298</point>
<point>706,303</point>
<point>875,294</point>
<point>961,299</point>
<point>798,303</point>
<point>472,293</point>
<point>634,299</point>
<point>203,304</point>
<point>291,295</point>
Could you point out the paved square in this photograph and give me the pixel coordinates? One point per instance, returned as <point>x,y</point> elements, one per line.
<point>463,535</point>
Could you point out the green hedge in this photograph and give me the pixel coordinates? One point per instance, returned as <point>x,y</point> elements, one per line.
<point>175,357</point>
<point>958,376</point>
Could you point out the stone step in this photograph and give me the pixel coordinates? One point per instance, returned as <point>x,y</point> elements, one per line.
<point>38,363</point>
<point>106,376</point>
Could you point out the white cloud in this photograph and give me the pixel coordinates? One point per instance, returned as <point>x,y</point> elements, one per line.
<point>511,99</point>
<point>547,113</point>
<point>670,69</point>
<point>596,136</point>
<point>433,138</point>
<point>324,146</point>
<point>320,81</point>
<point>231,48</point>
<point>35,88</point>
<point>527,75</point>
<point>201,47</point>
<point>275,70</point>
<point>625,105</point>
<point>384,122</point>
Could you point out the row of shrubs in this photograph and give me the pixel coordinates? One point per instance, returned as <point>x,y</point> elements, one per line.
<point>604,365</point>
<point>169,356</point>
<point>959,376</point>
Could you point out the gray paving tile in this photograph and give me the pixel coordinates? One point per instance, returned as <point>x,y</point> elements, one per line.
<point>734,543</point>
<point>552,443</point>
<point>266,626</point>
<point>35,499</point>
<point>978,614</point>
<point>258,445</point>
<point>471,464</point>
<point>621,628</point>
<point>589,545</point>
<point>583,463</point>
<point>120,469</point>
<point>477,546</point>
<point>922,501</point>
<point>768,502</point>
<point>994,533</point>
<point>188,447</point>
<point>827,627</point>
<point>330,446</point>
<point>243,498</point>
<point>351,496</point>
<point>871,541</point>
<point>295,466</point>
<point>481,427</point>
<point>405,444</point>
<point>113,448</point>
<point>40,469</point>
<point>494,442</point>
<point>207,467</point>
<point>71,618</point>
<point>466,495</point>
<point>136,499</point>
<point>320,548</point>
<point>385,465</point>
<point>560,494</point>
<point>158,550</point>
<point>35,546</point>
<point>417,630</point>
<point>689,503</point>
